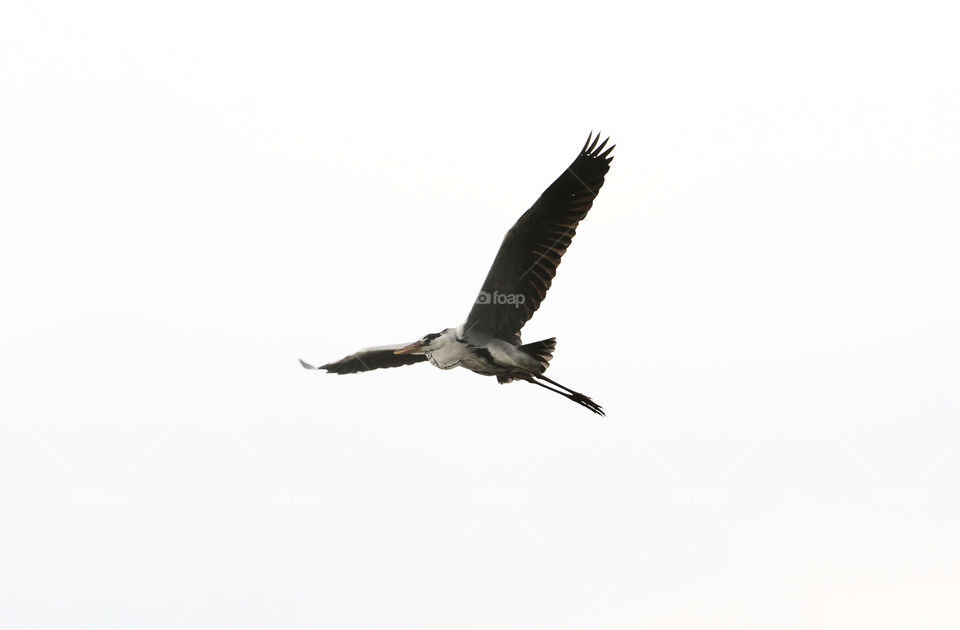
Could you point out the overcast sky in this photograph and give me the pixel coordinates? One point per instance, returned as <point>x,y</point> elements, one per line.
<point>765,299</point>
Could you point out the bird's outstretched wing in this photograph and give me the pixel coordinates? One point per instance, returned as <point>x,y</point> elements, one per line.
<point>369,359</point>
<point>527,261</point>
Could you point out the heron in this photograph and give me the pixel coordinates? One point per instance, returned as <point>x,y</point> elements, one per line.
<point>488,342</point>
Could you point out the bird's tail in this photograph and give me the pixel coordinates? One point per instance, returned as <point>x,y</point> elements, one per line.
<point>542,351</point>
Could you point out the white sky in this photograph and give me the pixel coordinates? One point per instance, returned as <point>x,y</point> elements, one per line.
<point>765,300</point>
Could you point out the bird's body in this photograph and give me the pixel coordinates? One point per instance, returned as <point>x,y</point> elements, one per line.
<point>488,342</point>
<point>488,356</point>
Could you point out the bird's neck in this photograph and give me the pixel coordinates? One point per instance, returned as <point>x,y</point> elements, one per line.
<point>446,351</point>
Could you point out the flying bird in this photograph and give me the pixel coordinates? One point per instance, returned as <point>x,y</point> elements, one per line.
<point>488,342</point>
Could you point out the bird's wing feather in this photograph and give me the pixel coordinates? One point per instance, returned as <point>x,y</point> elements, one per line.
<point>369,359</point>
<point>527,261</point>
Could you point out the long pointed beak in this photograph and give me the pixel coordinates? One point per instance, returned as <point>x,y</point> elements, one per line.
<point>413,347</point>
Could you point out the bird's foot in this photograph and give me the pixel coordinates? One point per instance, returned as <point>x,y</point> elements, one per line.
<point>587,402</point>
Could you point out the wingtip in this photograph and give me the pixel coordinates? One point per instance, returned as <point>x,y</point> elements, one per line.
<point>587,143</point>
<point>595,141</point>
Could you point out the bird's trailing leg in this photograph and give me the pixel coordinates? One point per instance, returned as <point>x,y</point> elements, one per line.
<point>576,397</point>
<point>553,382</point>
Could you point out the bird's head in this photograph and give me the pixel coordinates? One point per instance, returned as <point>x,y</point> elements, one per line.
<point>424,344</point>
